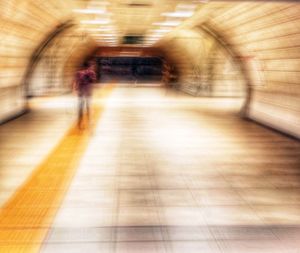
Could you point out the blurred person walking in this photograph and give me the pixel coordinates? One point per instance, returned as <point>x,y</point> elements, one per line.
<point>83,86</point>
<point>166,74</point>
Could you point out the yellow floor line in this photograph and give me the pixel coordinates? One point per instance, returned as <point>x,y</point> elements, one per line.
<point>27,216</point>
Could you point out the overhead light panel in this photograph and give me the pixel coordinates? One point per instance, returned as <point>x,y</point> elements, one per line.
<point>178,14</point>
<point>90,11</point>
<point>107,38</point>
<point>110,39</point>
<point>96,22</point>
<point>186,6</point>
<point>104,34</point>
<point>155,36</point>
<point>102,29</point>
<point>152,39</point>
<point>97,3</point>
<point>168,23</point>
<point>161,31</point>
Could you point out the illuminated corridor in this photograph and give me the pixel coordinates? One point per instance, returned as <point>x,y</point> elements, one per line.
<point>149,126</point>
<point>163,172</point>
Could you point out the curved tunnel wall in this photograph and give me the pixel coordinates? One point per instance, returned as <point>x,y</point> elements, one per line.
<point>207,68</point>
<point>24,27</point>
<point>265,38</point>
<point>53,71</point>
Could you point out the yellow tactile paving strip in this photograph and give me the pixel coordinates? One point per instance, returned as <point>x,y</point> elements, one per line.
<point>27,216</point>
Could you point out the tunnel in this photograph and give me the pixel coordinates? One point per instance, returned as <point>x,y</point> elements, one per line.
<point>191,143</point>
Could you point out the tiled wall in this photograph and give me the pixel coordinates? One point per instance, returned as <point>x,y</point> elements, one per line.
<point>267,35</point>
<point>265,38</point>
<point>24,25</point>
<point>224,75</point>
<point>206,67</point>
<point>54,72</point>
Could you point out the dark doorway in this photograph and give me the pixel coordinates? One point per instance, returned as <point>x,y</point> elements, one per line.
<point>130,69</point>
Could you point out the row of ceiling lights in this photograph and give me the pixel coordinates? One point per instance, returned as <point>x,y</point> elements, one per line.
<point>173,19</point>
<point>110,35</point>
<point>106,32</point>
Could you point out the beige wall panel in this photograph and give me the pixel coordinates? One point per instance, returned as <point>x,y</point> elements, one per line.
<point>24,24</point>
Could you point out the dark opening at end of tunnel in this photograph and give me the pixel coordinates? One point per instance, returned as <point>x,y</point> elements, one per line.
<point>223,49</point>
<point>130,69</point>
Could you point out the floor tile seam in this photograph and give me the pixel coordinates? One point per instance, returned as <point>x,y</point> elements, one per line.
<point>96,114</point>
<point>252,207</point>
<point>160,215</point>
<point>40,167</point>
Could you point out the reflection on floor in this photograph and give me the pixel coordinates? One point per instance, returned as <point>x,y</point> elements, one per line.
<point>25,142</point>
<point>165,172</point>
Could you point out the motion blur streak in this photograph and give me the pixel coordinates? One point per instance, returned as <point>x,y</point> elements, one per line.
<point>27,216</point>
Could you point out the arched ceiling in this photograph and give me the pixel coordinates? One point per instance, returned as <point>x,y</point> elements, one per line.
<point>264,36</point>
<point>111,20</point>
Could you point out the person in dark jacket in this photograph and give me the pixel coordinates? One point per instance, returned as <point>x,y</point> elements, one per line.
<point>83,85</point>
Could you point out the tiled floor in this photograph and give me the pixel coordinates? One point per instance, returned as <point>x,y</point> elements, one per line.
<point>26,141</point>
<point>165,172</point>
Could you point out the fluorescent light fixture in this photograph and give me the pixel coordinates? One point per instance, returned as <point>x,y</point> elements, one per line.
<point>110,41</point>
<point>178,14</point>
<point>97,3</point>
<point>151,40</point>
<point>156,34</point>
<point>102,29</point>
<point>168,23</point>
<point>107,40</point>
<point>161,31</point>
<point>110,38</point>
<point>154,37</point>
<point>148,44</point>
<point>186,6</point>
<point>104,35</point>
<point>96,22</point>
<point>90,11</point>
